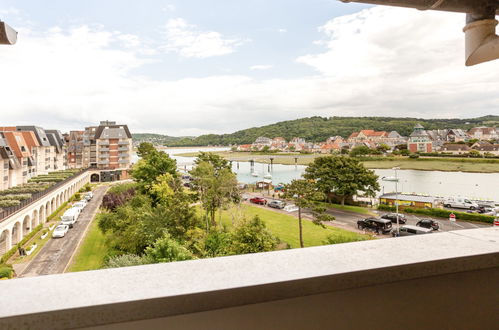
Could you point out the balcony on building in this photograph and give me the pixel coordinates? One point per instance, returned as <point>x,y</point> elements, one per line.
<point>436,281</point>
<point>103,143</point>
<point>123,149</point>
<point>123,143</point>
<point>103,162</point>
<point>104,149</point>
<point>124,155</point>
<point>124,161</point>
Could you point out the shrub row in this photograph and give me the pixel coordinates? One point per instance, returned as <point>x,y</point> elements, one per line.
<point>9,203</point>
<point>19,197</point>
<point>441,213</point>
<point>31,189</point>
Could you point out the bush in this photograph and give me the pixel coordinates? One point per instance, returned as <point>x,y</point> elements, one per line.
<point>414,156</point>
<point>6,271</point>
<point>9,203</point>
<point>126,260</point>
<point>338,239</point>
<point>19,197</point>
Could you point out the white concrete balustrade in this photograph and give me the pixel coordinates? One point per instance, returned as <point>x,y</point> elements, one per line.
<point>21,223</point>
<point>438,281</point>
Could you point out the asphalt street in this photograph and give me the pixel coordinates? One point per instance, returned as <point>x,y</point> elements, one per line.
<point>348,220</point>
<point>56,254</point>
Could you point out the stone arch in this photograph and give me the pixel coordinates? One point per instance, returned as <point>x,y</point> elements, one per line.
<point>52,205</point>
<point>41,215</point>
<point>16,234</point>
<point>48,211</point>
<point>95,177</point>
<point>35,220</point>
<point>5,241</point>
<point>26,225</point>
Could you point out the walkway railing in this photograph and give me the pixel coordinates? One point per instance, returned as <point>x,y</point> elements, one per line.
<point>8,211</point>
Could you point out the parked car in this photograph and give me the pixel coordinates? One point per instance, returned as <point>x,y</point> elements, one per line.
<point>81,204</point>
<point>428,223</point>
<point>276,204</point>
<point>89,195</point>
<point>70,216</point>
<point>460,202</point>
<point>60,231</point>
<point>409,230</point>
<point>258,200</point>
<point>377,225</point>
<point>393,217</point>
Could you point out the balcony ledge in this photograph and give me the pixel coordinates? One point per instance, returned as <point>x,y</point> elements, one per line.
<point>104,297</point>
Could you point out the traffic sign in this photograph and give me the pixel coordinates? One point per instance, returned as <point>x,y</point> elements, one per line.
<point>452,217</point>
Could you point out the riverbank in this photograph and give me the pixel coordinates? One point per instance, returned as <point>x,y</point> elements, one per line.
<point>473,165</point>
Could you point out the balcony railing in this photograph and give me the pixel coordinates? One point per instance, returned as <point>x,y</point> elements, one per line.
<point>123,149</point>
<point>438,281</point>
<point>121,143</point>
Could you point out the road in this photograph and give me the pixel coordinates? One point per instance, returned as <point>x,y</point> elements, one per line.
<point>348,220</point>
<point>56,254</point>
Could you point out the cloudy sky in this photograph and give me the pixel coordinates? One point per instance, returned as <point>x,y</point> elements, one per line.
<point>192,67</point>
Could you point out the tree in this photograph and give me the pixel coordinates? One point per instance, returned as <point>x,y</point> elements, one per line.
<point>383,147</point>
<point>342,176</point>
<point>166,249</point>
<point>217,186</point>
<point>360,151</point>
<point>155,164</point>
<point>251,236</point>
<point>145,149</point>
<point>305,195</point>
<point>218,162</point>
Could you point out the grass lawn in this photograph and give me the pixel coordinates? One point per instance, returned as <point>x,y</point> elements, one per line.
<point>286,226</point>
<point>350,208</point>
<point>92,251</point>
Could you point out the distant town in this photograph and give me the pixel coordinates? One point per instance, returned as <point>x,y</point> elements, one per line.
<point>478,141</point>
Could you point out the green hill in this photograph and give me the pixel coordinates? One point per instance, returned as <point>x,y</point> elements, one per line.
<point>318,129</point>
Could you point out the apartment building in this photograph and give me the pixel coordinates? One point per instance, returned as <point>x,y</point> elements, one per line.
<point>56,140</point>
<point>45,152</point>
<point>17,145</point>
<point>75,149</point>
<point>113,145</point>
<point>419,140</point>
<point>10,168</point>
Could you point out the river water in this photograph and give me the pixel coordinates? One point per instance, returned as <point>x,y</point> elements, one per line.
<point>434,183</point>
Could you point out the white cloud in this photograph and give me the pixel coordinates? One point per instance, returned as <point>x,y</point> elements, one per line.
<point>261,67</point>
<point>169,8</point>
<point>282,30</point>
<point>382,61</point>
<point>188,41</point>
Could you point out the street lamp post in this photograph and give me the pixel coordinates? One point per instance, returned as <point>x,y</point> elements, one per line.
<point>396,180</point>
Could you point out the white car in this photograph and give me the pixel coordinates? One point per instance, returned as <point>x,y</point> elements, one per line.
<point>89,195</point>
<point>81,204</point>
<point>60,231</point>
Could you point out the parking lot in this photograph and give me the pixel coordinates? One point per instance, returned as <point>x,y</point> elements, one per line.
<point>56,254</point>
<point>348,220</point>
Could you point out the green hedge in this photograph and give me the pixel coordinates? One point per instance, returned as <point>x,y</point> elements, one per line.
<point>19,197</point>
<point>6,271</point>
<point>441,213</point>
<point>9,203</point>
